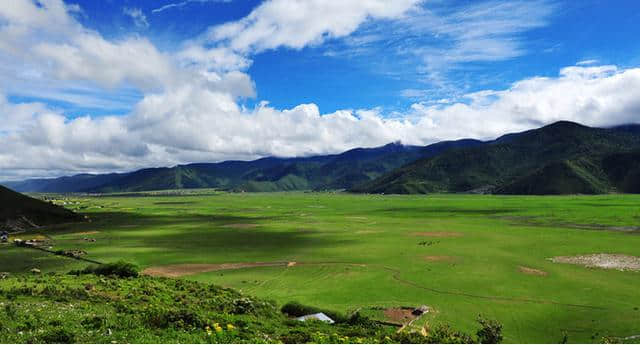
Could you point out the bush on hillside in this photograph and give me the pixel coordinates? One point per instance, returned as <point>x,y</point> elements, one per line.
<point>120,269</point>
<point>58,336</point>
<point>490,331</point>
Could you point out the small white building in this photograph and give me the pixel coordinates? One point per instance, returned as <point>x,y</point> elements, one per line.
<point>319,316</point>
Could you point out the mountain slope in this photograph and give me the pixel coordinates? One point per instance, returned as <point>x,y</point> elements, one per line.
<point>565,154</point>
<point>66,184</point>
<point>341,171</point>
<point>19,211</point>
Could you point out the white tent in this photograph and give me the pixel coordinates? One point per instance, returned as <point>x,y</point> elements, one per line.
<point>318,316</point>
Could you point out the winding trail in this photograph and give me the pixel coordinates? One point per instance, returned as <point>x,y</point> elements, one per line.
<point>396,276</point>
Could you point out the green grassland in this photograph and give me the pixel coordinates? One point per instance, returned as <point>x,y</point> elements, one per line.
<point>459,254</point>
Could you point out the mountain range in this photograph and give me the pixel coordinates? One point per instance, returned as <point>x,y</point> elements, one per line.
<point>561,158</point>
<point>329,172</point>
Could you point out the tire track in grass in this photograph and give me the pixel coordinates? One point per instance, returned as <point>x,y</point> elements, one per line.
<point>396,276</point>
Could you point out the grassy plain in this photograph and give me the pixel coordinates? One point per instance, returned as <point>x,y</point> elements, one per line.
<point>462,255</point>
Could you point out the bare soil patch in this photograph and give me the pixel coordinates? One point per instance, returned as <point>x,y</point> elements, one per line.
<point>440,258</point>
<point>399,315</point>
<point>438,234</point>
<point>176,271</point>
<point>240,226</point>
<point>86,233</point>
<point>619,262</point>
<point>532,271</point>
<point>174,203</point>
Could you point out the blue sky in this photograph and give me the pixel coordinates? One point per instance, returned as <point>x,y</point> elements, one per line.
<point>117,85</point>
<point>573,31</point>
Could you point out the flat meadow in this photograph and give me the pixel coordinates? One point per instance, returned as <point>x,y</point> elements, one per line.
<point>460,255</point>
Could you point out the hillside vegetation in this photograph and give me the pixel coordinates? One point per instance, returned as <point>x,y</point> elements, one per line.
<point>562,158</point>
<point>86,308</point>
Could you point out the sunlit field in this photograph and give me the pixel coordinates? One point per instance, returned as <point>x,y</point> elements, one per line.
<point>461,255</point>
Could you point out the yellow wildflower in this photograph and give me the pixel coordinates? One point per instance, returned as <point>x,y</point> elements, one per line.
<point>230,327</point>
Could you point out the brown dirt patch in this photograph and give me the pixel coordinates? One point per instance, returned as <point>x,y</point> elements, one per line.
<point>176,271</point>
<point>86,233</point>
<point>399,315</point>
<point>240,226</point>
<point>438,234</point>
<point>440,258</point>
<point>619,262</point>
<point>532,271</point>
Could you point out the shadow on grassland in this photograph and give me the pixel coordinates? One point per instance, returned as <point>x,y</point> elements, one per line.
<point>204,233</point>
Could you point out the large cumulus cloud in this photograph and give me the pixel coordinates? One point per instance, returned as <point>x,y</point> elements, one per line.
<point>191,111</point>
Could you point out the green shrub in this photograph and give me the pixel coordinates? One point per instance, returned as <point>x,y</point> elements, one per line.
<point>58,336</point>
<point>165,318</point>
<point>120,269</point>
<point>356,319</point>
<point>490,331</point>
<point>94,322</point>
<point>243,305</point>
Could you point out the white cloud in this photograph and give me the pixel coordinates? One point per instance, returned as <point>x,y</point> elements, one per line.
<point>431,41</point>
<point>183,4</point>
<point>139,18</point>
<point>190,109</point>
<point>587,62</point>
<point>296,24</point>
<point>596,96</point>
<point>47,39</point>
<point>192,123</point>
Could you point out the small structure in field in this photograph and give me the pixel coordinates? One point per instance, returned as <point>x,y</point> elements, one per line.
<point>319,317</point>
<point>420,310</point>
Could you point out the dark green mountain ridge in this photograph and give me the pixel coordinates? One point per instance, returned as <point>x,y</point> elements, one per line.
<point>561,158</point>
<point>333,172</point>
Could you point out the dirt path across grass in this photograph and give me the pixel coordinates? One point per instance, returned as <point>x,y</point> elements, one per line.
<point>532,271</point>
<point>85,233</point>
<point>396,276</point>
<point>177,271</point>
<point>438,234</point>
<point>240,226</point>
<point>181,270</point>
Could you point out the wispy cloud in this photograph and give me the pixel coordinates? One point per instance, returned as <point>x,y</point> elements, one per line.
<point>436,39</point>
<point>587,62</point>
<point>139,18</point>
<point>182,4</point>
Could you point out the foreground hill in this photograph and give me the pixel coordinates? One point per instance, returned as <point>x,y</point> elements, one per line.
<point>562,158</point>
<point>90,309</point>
<point>340,171</point>
<point>19,211</point>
